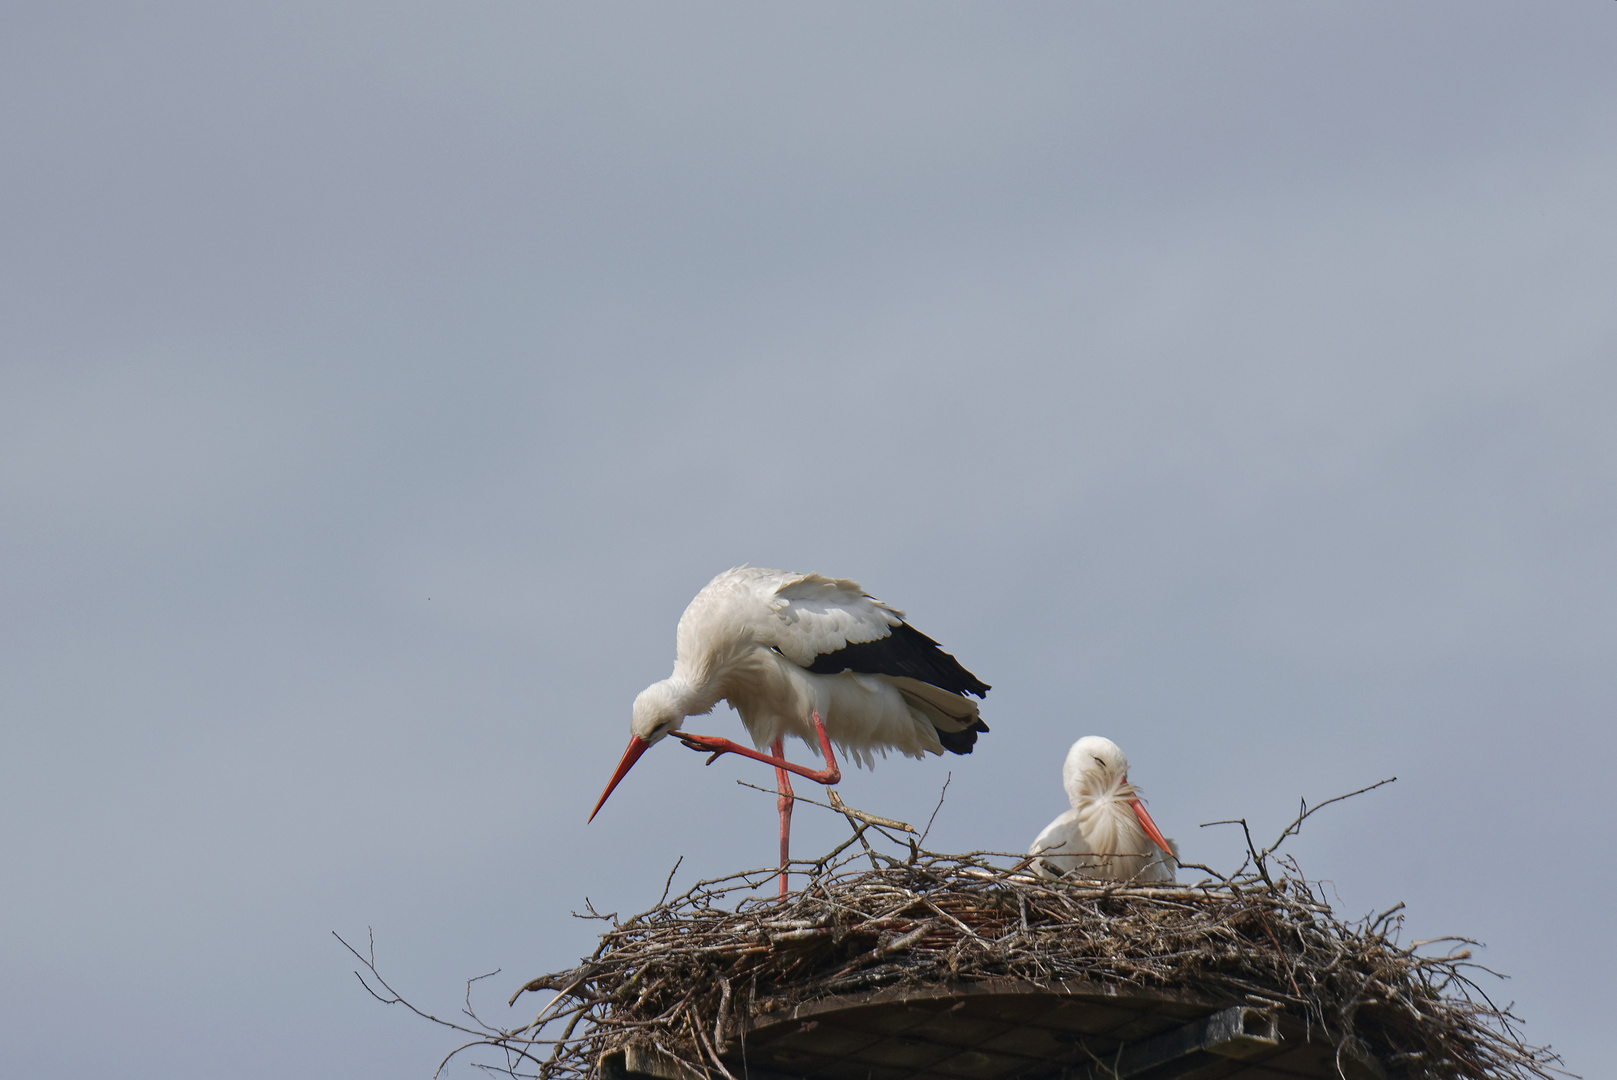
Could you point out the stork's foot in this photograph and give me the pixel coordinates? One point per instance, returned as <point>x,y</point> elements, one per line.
<point>712,745</point>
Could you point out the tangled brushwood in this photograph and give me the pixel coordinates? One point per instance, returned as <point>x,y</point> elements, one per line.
<point>689,974</point>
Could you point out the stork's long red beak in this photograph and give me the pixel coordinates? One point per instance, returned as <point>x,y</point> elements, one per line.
<point>1140,812</point>
<point>637,746</point>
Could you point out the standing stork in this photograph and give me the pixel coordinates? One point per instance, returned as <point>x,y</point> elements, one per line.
<point>1108,833</point>
<point>813,657</point>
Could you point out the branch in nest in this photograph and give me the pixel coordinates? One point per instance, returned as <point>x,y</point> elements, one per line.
<point>838,805</point>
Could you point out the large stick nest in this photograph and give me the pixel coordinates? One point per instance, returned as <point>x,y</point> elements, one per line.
<point>693,972</point>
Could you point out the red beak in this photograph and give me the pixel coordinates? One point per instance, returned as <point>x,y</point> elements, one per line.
<point>637,746</point>
<point>1150,826</point>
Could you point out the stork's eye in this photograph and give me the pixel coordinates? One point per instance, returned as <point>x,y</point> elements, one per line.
<point>1101,763</point>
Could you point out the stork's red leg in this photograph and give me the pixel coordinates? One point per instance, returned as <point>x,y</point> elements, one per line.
<point>831,774</point>
<point>783,782</point>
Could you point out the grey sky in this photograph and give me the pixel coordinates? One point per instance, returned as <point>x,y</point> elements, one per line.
<point>378,382</point>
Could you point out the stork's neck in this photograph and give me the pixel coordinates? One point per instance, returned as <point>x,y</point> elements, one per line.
<point>702,675</point>
<point>1100,794</point>
<point>689,697</point>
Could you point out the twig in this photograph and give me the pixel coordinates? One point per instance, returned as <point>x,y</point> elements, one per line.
<point>839,806</point>
<point>663,899</point>
<point>1256,858</point>
<point>1296,825</point>
<point>858,828</point>
<point>468,1009</point>
<point>870,819</point>
<point>924,832</point>
<point>1260,858</point>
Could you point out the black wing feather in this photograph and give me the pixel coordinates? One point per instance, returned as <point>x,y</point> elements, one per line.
<point>907,652</point>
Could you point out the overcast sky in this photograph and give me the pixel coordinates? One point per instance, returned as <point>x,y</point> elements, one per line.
<point>379,381</point>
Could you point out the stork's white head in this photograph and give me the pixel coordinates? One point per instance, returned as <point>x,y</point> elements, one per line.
<point>1096,776</point>
<point>658,710</point>
<point>1095,769</point>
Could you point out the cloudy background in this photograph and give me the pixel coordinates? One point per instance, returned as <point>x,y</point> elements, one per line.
<point>379,381</point>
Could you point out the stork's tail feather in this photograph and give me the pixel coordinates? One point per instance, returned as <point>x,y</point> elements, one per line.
<point>961,742</point>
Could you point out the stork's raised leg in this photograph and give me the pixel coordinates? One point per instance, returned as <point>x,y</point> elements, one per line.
<point>829,775</point>
<point>716,746</point>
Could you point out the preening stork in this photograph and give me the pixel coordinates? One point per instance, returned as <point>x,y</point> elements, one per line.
<point>812,657</point>
<point>1108,833</point>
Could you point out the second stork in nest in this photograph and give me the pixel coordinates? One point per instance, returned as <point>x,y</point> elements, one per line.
<point>1108,833</point>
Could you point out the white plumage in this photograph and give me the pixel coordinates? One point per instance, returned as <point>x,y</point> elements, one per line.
<point>1108,833</point>
<point>752,636</point>
<point>798,654</point>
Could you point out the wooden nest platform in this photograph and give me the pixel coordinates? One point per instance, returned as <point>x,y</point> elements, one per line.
<point>969,967</point>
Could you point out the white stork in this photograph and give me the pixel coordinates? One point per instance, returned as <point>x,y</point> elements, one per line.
<point>812,657</point>
<point>1107,834</point>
